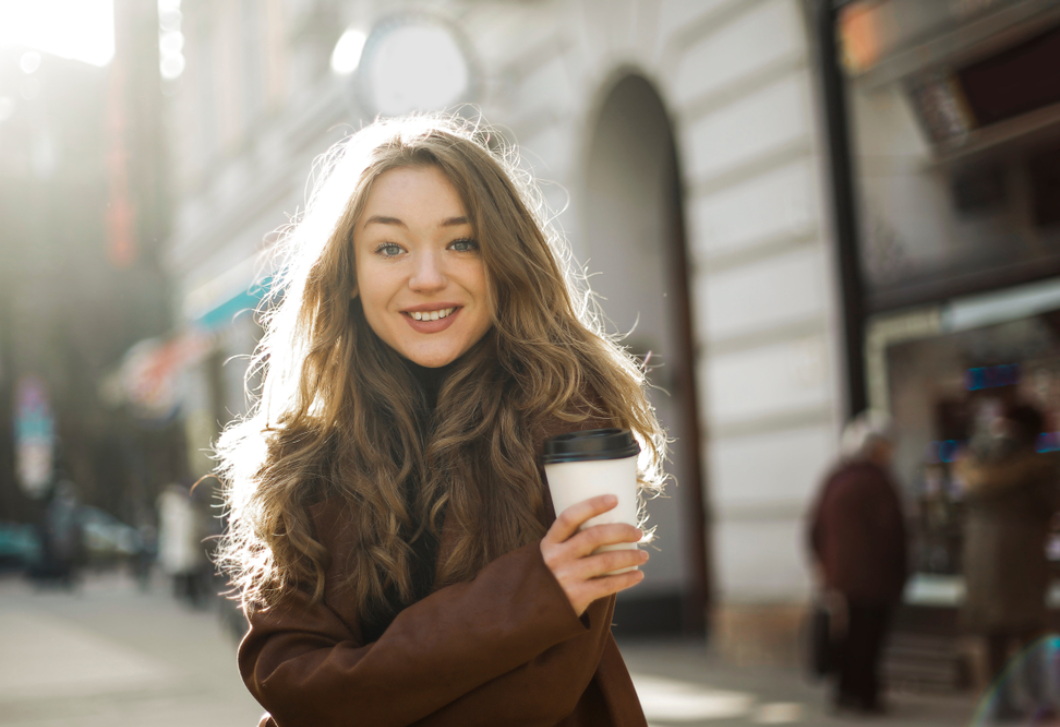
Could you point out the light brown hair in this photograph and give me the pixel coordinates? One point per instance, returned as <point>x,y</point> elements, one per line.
<point>338,416</point>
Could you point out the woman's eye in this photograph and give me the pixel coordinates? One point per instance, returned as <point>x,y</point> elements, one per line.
<point>388,249</point>
<point>464,245</point>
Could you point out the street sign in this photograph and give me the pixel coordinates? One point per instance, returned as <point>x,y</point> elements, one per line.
<point>34,436</point>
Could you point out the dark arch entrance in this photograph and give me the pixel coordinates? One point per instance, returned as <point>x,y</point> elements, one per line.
<point>636,241</point>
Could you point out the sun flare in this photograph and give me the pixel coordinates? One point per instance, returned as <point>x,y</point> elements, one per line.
<point>82,30</point>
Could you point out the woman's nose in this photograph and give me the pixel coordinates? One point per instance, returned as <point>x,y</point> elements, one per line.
<point>427,274</point>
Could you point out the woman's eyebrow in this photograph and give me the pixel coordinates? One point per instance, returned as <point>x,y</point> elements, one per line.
<point>384,220</point>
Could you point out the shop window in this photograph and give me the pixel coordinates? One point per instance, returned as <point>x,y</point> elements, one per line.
<point>979,191</point>
<point>1015,82</point>
<point>1044,172</point>
<point>946,388</point>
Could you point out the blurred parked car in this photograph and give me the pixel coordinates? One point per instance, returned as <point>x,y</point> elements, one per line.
<point>20,546</point>
<point>107,540</point>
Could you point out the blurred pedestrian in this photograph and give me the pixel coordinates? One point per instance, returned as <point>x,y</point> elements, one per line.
<point>181,552</point>
<point>1011,495</point>
<point>147,553</point>
<point>63,536</point>
<point>858,544</point>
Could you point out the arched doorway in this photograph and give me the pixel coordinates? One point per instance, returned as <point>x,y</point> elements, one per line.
<point>635,240</point>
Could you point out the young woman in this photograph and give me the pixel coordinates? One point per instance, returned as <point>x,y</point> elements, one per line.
<point>391,532</point>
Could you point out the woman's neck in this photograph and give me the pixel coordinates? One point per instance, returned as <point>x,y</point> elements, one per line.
<point>430,380</point>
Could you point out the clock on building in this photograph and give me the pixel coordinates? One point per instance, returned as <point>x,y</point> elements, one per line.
<point>415,62</point>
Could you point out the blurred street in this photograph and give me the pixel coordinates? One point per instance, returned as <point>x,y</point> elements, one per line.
<point>827,232</point>
<point>680,685</point>
<point>111,655</point>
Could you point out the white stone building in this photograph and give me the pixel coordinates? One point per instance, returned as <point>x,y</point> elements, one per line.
<point>681,140</point>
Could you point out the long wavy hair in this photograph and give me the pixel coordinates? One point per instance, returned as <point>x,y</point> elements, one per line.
<point>337,418</point>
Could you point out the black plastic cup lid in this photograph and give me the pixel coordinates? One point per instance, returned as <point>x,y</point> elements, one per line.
<point>591,444</point>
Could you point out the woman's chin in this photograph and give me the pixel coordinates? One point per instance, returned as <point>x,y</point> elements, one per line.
<point>438,352</point>
<point>431,359</point>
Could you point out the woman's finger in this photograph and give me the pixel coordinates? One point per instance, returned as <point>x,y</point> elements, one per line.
<point>600,564</point>
<point>588,591</point>
<point>590,539</point>
<point>573,517</point>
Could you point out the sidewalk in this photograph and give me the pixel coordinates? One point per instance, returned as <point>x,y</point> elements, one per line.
<point>111,656</point>
<point>679,684</point>
<point>108,655</point>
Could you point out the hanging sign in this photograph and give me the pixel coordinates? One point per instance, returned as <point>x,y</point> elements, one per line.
<point>34,436</point>
<point>150,373</point>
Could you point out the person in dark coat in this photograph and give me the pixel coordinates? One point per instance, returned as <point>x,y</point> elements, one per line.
<point>64,545</point>
<point>858,543</point>
<point>1011,495</point>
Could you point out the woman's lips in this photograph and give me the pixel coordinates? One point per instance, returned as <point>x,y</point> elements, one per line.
<point>431,326</point>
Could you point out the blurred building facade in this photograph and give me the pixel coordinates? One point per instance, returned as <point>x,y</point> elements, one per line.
<point>799,208</point>
<point>954,114</point>
<point>683,142</point>
<point>85,209</point>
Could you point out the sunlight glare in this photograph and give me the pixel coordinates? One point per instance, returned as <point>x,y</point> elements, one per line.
<point>29,62</point>
<point>81,30</point>
<point>777,713</point>
<point>418,66</point>
<point>347,54</point>
<point>671,700</point>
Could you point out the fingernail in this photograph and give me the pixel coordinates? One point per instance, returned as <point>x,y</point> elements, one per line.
<point>610,499</point>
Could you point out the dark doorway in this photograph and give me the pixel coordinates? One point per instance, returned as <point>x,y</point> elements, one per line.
<point>636,242</point>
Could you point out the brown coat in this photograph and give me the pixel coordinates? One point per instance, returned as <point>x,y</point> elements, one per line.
<point>858,534</point>
<point>504,649</point>
<point>1009,506</point>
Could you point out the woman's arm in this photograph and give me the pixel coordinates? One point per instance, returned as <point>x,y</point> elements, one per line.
<point>491,643</point>
<point>547,688</point>
<point>541,692</point>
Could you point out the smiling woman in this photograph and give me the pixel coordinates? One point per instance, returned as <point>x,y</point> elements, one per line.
<point>82,30</point>
<point>420,276</point>
<point>390,530</point>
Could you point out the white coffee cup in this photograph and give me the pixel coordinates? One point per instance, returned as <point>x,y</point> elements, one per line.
<point>581,465</point>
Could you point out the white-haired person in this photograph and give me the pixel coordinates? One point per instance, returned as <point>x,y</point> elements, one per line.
<point>858,544</point>
<point>391,533</point>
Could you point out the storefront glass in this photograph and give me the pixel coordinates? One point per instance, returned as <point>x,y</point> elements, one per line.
<point>955,144</point>
<point>944,373</point>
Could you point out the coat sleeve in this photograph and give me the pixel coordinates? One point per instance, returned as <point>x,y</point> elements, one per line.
<point>504,648</point>
<point>541,692</point>
<point>814,536</point>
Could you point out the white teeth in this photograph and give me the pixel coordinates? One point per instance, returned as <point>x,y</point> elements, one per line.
<point>433,315</point>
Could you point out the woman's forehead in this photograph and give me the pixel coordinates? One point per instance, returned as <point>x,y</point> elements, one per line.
<point>419,192</point>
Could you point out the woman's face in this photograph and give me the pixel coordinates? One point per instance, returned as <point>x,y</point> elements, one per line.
<point>420,275</point>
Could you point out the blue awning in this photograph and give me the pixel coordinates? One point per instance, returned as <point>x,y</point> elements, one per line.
<point>245,302</point>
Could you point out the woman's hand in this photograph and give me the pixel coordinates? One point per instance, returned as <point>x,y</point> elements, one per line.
<point>569,555</point>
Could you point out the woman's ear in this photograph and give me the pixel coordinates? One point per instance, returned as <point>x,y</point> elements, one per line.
<point>354,292</point>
